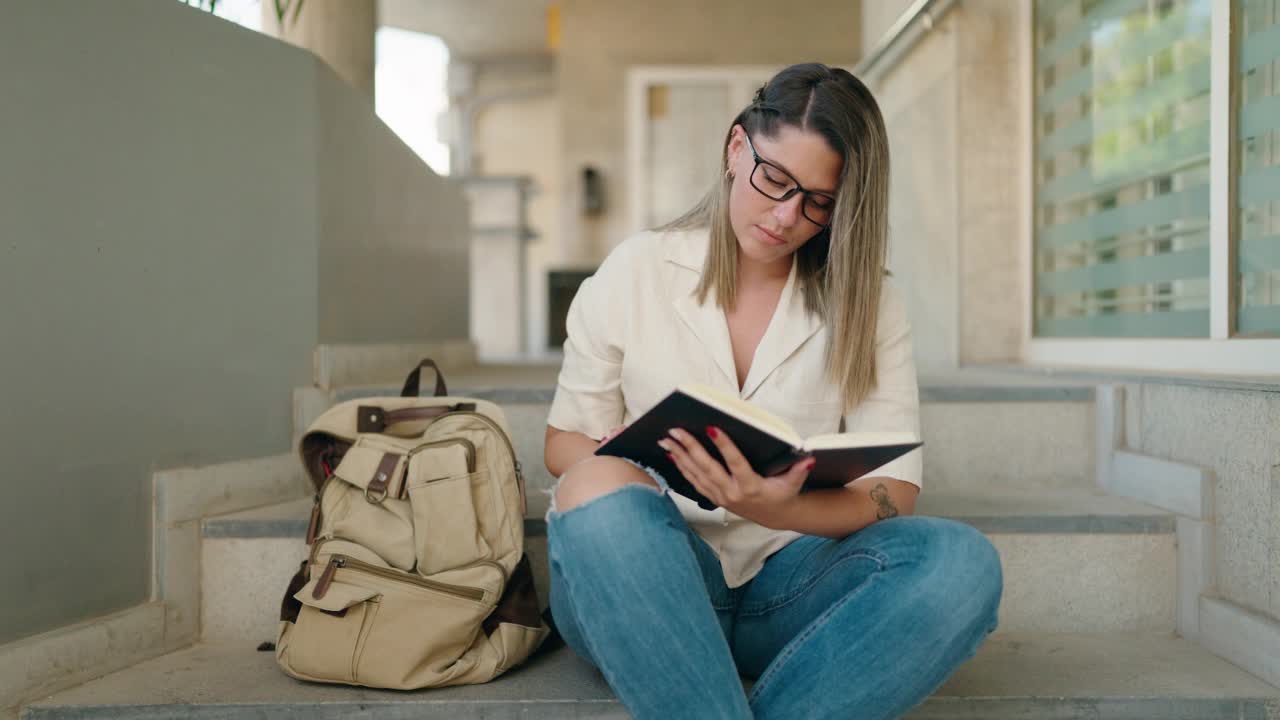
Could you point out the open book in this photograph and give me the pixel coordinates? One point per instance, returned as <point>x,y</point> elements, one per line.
<point>768,443</point>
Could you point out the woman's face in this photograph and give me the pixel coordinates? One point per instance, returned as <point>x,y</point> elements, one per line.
<point>768,229</point>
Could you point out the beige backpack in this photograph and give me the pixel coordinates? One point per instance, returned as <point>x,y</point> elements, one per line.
<point>417,575</point>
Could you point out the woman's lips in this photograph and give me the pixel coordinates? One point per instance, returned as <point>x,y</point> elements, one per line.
<point>770,237</point>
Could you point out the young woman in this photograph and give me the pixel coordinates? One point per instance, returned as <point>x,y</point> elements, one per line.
<point>840,603</point>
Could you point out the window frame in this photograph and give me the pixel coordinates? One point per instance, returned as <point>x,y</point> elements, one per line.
<point>1222,351</point>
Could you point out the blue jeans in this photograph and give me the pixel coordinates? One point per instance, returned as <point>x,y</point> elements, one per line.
<point>865,627</point>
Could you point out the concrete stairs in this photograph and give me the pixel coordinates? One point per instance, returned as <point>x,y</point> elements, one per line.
<point>1087,622</point>
<point>1073,562</point>
<point>1041,676</point>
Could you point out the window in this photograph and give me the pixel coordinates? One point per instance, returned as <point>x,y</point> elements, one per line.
<point>1121,169</point>
<point>409,89</point>
<point>1258,192</point>
<point>1154,213</point>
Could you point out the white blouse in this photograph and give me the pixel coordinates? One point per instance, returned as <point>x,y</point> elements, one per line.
<point>635,332</point>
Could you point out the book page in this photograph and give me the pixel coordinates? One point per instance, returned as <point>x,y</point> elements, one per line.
<point>858,439</point>
<point>743,410</point>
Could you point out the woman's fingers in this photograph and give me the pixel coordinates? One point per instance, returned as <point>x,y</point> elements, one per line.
<point>697,453</point>
<point>733,459</point>
<point>709,471</point>
<point>795,476</point>
<point>695,477</point>
<point>612,434</point>
<point>712,482</point>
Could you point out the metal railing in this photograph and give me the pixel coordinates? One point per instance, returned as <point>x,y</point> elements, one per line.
<point>912,25</point>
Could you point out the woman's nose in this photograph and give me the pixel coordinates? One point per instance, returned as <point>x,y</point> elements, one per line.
<point>787,212</point>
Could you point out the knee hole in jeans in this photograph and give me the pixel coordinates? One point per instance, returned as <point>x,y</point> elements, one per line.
<point>596,477</point>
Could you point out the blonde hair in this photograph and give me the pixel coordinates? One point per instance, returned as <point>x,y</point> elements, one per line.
<point>840,270</point>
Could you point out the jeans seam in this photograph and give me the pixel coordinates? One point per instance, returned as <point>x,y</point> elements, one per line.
<point>747,611</point>
<point>794,646</point>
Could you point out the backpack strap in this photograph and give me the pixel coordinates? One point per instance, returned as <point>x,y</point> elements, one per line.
<point>411,383</point>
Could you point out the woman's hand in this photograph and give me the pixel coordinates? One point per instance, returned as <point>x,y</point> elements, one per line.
<point>738,488</point>
<point>611,435</point>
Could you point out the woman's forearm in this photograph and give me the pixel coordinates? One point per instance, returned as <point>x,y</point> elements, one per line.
<point>563,449</point>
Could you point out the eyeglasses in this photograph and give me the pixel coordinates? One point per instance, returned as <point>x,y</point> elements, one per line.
<point>777,184</point>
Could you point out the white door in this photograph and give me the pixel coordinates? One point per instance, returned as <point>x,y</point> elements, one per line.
<point>677,119</point>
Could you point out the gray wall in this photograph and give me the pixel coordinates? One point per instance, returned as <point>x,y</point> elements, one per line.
<point>170,206</point>
<point>394,236</point>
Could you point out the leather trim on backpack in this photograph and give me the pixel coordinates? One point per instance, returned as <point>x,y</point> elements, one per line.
<point>519,602</point>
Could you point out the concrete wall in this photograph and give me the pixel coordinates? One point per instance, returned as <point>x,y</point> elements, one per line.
<point>1236,435</point>
<point>877,17</point>
<point>340,32</point>
<point>953,107</point>
<point>165,242</point>
<point>918,100</point>
<point>600,38</point>
<point>992,175</point>
<point>474,28</point>
<point>393,235</point>
<point>521,136</point>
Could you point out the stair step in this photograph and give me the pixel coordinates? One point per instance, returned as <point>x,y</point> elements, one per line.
<point>1119,677</point>
<point>542,394</point>
<point>982,429</point>
<point>536,385</point>
<point>1073,561</point>
<point>1048,512</point>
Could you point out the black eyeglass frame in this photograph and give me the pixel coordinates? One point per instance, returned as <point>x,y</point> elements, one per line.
<point>808,194</point>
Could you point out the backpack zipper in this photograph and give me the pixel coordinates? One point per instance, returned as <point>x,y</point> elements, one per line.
<point>467,444</point>
<point>313,525</point>
<point>316,542</point>
<point>343,561</point>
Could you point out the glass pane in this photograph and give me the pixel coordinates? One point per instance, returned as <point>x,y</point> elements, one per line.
<point>1258,196</point>
<point>1122,168</point>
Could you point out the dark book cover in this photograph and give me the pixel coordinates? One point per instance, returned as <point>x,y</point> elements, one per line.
<point>767,454</point>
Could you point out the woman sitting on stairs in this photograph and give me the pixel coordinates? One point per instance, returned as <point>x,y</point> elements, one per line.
<point>839,603</point>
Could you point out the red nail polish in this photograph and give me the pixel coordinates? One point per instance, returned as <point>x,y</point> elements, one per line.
<point>671,457</point>
<point>712,432</point>
<point>809,465</point>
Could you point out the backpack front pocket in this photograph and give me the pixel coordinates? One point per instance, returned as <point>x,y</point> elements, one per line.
<point>374,465</point>
<point>360,502</point>
<point>325,639</point>
<point>384,527</point>
<point>445,492</point>
<point>365,624</point>
<point>446,534</point>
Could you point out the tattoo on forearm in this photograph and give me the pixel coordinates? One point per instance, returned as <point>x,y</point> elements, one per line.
<point>884,505</point>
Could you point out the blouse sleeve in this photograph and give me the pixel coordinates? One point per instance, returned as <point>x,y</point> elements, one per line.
<point>588,397</point>
<point>894,404</point>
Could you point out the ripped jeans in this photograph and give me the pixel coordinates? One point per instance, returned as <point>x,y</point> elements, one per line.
<point>867,626</point>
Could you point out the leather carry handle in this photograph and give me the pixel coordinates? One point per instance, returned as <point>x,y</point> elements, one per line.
<point>373,419</point>
<point>412,382</point>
